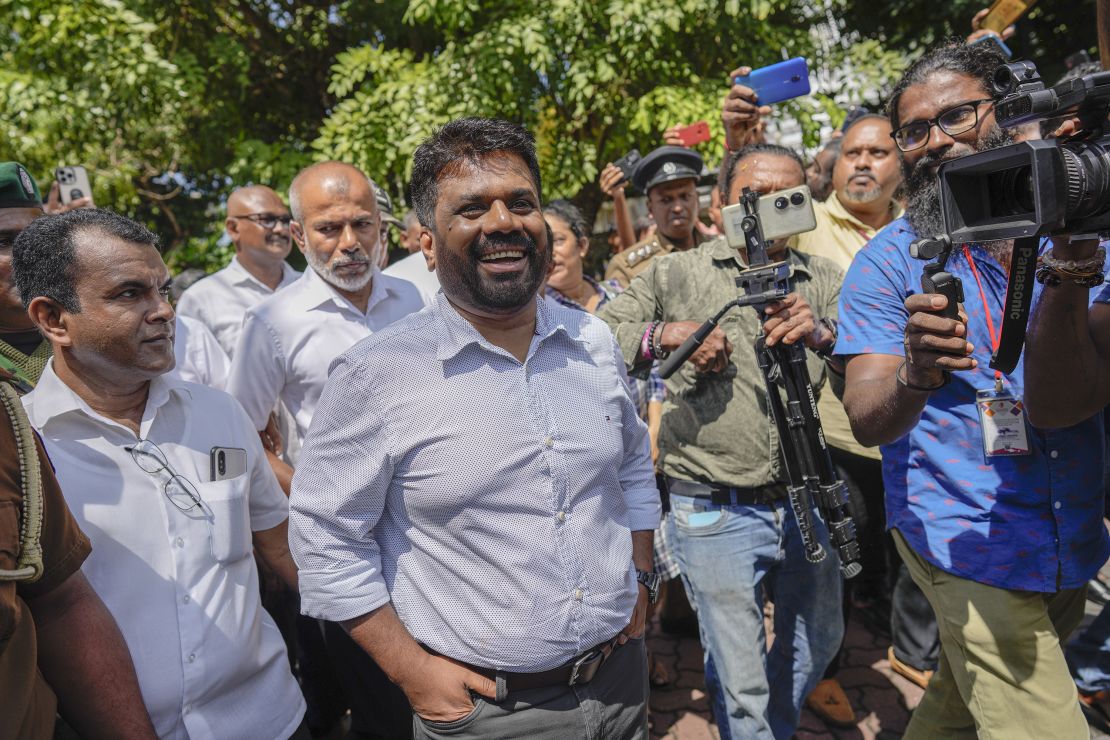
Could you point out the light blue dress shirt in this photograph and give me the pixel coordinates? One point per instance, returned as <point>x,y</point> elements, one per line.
<point>492,501</point>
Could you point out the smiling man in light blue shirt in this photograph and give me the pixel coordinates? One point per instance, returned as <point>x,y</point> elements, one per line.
<point>481,532</point>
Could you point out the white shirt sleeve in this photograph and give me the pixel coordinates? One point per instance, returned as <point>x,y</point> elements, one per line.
<point>637,473</point>
<point>257,373</point>
<point>339,493</point>
<point>216,362</point>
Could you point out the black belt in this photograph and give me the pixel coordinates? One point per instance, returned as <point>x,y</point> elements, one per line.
<point>727,495</point>
<point>579,671</point>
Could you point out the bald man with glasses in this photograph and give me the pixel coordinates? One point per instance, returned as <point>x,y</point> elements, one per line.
<point>258,225</point>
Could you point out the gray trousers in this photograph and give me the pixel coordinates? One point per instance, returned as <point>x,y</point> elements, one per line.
<point>611,707</point>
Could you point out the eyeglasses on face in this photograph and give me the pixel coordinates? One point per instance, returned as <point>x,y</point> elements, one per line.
<point>150,459</point>
<point>953,121</point>
<point>267,220</point>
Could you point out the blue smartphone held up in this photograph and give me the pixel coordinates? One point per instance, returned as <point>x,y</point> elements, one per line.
<point>778,82</point>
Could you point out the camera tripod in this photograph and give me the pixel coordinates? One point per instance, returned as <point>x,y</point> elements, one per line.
<point>809,467</point>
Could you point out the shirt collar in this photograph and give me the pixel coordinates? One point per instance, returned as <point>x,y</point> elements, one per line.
<point>455,333</point>
<point>836,209</point>
<point>235,267</point>
<point>52,398</point>
<point>720,251</point>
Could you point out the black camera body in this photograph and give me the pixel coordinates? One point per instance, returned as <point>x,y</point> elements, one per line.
<point>1034,188</point>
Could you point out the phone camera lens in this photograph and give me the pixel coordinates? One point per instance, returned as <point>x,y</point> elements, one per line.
<point>797,199</point>
<point>221,463</point>
<point>781,203</point>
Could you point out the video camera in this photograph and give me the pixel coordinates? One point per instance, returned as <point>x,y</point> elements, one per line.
<point>1035,188</point>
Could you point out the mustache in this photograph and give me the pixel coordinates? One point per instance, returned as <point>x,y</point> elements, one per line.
<point>864,173</point>
<point>355,260</point>
<point>486,243</point>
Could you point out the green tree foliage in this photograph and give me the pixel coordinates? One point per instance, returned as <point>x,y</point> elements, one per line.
<point>171,103</point>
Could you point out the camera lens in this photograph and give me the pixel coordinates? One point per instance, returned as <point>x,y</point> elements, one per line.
<point>797,199</point>
<point>221,463</point>
<point>781,202</point>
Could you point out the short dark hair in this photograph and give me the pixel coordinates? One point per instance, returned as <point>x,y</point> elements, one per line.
<point>468,139</point>
<point>865,117</point>
<point>569,213</point>
<point>44,256</point>
<point>972,60</point>
<point>728,166</point>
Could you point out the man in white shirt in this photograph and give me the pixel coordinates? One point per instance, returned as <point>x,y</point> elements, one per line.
<point>258,225</point>
<point>133,446</point>
<point>200,358</point>
<point>288,342</point>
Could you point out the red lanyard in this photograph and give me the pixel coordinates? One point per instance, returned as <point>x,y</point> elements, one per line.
<point>995,339</point>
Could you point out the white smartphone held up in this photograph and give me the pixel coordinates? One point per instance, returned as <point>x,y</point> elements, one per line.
<point>73,183</point>
<point>228,462</point>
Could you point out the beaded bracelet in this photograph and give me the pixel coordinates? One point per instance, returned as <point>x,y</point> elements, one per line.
<point>657,342</point>
<point>1086,273</point>
<point>645,343</point>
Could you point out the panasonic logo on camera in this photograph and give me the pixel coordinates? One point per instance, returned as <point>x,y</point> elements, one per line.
<point>1017,293</point>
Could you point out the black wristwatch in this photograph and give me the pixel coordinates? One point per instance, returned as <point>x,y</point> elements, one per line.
<point>650,581</point>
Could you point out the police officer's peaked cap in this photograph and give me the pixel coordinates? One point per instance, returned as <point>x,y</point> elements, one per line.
<point>666,164</point>
<point>17,187</point>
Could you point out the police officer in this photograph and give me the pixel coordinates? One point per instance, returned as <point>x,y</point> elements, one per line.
<point>668,176</point>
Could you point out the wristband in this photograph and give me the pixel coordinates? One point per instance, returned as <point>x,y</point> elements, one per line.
<point>656,342</point>
<point>645,343</point>
<point>905,381</point>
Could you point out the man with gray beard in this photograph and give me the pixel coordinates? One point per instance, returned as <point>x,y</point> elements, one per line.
<point>286,347</point>
<point>998,522</point>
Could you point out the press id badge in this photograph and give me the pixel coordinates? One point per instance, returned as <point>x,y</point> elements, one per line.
<point>1002,420</point>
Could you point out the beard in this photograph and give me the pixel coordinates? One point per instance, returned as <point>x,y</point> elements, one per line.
<point>461,275</point>
<point>864,196</point>
<point>349,283</point>
<point>923,185</point>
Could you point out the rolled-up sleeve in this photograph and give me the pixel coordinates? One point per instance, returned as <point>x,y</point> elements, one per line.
<point>628,316</point>
<point>637,474</point>
<point>338,495</point>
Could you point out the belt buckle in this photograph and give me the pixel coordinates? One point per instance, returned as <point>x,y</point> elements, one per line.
<point>585,667</point>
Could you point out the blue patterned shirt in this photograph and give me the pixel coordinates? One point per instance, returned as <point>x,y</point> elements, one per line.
<point>1030,522</point>
<point>491,501</point>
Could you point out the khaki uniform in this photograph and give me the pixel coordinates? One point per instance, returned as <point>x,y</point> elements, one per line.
<point>28,703</point>
<point>625,266</point>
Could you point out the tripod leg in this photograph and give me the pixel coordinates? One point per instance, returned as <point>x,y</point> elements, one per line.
<point>832,494</point>
<point>801,502</point>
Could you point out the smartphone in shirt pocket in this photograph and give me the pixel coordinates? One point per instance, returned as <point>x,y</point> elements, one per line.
<point>226,499</point>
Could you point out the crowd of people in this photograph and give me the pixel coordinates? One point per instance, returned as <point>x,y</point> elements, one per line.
<point>445,496</point>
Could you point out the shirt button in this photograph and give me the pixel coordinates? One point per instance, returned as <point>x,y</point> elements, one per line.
<point>1057,504</point>
<point>577,594</point>
<point>562,516</point>
<point>186,599</point>
<point>179,542</point>
<point>548,442</point>
<point>1054,454</point>
<point>192,657</point>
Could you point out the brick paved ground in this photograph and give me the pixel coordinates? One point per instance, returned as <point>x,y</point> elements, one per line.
<point>879,697</point>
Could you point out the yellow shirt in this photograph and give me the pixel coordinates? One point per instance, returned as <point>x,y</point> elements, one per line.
<point>837,237</point>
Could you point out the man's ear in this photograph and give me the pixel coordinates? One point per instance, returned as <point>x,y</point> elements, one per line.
<point>231,226</point>
<point>297,232</point>
<point>51,319</point>
<point>428,247</point>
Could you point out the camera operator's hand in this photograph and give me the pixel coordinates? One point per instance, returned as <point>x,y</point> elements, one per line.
<point>55,206</point>
<point>711,357</point>
<point>741,114</point>
<point>934,343</point>
<point>612,180</point>
<point>978,32</point>
<point>792,319</point>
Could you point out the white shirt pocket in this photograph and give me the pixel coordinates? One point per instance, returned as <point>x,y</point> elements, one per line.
<point>226,501</point>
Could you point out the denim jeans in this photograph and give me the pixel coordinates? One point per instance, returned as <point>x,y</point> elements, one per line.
<point>728,556</point>
<point>1088,655</point>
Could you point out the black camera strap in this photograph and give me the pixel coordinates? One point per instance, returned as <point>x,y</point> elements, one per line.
<point>1019,302</point>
